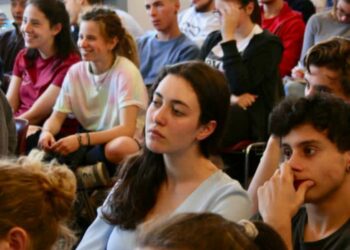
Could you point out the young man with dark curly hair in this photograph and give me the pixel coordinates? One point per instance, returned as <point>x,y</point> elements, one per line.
<point>306,199</point>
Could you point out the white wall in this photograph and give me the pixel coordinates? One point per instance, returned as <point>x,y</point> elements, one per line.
<point>6,9</point>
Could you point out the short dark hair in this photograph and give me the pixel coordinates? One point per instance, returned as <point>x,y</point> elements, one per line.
<point>207,231</point>
<point>325,112</point>
<point>333,54</point>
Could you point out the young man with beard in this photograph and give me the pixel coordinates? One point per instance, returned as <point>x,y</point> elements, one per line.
<point>306,199</point>
<point>199,20</point>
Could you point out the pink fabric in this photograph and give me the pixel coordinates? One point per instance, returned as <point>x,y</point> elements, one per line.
<point>289,27</point>
<point>36,79</point>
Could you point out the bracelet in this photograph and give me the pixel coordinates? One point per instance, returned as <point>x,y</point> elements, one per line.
<point>79,139</point>
<point>88,138</point>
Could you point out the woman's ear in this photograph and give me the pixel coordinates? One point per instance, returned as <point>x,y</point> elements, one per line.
<point>56,29</point>
<point>249,8</point>
<point>17,239</point>
<point>206,130</point>
<point>112,43</point>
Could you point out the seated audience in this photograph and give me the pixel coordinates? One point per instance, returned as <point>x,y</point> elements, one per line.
<point>249,56</point>
<point>305,199</point>
<point>173,173</point>
<point>199,20</point>
<point>289,26</point>
<point>167,45</point>
<point>40,68</point>
<point>105,93</point>
<point>207,231</point>
<point>8,136</point>
<point>11,42</point>
<point>328,70</point>
<point>77,7</point>
<point>36,201</point>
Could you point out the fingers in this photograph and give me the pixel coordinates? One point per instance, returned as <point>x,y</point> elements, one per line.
<point>303,188</point>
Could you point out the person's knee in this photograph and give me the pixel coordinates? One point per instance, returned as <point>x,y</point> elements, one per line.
<point>117,149</point>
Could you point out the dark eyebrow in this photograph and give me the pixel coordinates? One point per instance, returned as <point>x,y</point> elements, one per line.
<point>303,143</point>
<point>172,101</point>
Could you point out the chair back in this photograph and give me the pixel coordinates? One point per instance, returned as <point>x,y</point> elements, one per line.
<point>21,129</point>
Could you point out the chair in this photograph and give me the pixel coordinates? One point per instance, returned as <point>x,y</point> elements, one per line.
<point>21,130</point>
<point>242,158</point>
<point>253,153</point>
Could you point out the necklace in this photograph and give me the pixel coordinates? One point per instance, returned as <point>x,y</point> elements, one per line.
<point>99,80</point>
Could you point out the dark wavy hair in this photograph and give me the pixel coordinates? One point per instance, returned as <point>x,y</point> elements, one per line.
<point>55,12</point>
<point>207,231</point>
<point>333,54</point>
<point>140,178</point>
<point>325,112</point>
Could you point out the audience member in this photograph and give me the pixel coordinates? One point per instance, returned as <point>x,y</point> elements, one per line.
<point>288,25</point>
<point>305,7</point>
<point>105,93</point>
<point>249,56</point>
<point>36,201</point>
<point>11,42</point>
<point>324,25</point>
<point>305,200</point>
<point>207,231</point>
<point>40,68</point>
<point>173,174</point>
<point>167,45</point>
<point>199,20</point>
<point>8,137</point>
<point>77,7</point>
<point>328,70</point>
<point>320,27</point>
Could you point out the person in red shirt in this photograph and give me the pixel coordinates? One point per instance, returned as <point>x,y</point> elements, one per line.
<point>40,68</point>
<point>288,25</point>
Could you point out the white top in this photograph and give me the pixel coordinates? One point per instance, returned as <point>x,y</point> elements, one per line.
<point>218,194</point>
<point>198,25</point>
<point>95,100</point>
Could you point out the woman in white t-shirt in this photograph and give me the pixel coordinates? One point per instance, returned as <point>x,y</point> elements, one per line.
<point>105,92</point>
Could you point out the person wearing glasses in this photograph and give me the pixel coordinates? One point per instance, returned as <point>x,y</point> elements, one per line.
<point>321,27</point>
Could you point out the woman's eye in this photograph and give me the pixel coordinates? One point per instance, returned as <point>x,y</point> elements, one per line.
<point>178,112</point>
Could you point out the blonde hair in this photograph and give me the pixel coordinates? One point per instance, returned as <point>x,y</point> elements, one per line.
<point>112,27</point>
<point>38,198</point>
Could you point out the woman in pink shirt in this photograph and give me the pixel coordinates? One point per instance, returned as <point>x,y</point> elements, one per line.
<point>40,68</point>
